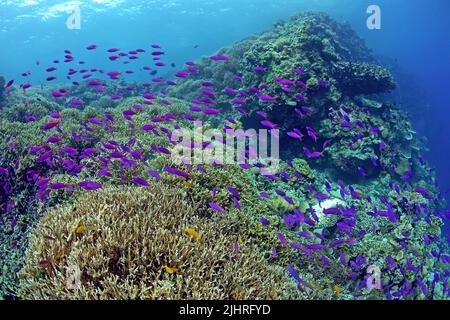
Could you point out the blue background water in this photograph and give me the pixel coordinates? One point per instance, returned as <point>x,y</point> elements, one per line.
<point>414,34</point>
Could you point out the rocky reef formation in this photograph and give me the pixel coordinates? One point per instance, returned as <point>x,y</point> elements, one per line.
<point>333,66</point>
<point>364,198</point>
<point>313,43</point>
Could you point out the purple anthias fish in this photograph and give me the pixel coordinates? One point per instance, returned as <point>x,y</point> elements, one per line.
<point>220,58</point>
<point>97,147</point>
<point>140,181</point>
<point>295,275</point>
<point>216,207</point>
<point>89,185</point>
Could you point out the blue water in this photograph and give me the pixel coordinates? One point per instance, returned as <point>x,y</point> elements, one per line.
<point>414,34</point>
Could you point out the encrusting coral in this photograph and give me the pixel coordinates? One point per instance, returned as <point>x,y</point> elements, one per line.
<point>132,243</point>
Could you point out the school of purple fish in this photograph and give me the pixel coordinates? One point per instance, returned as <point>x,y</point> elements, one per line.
<point>55,156</point>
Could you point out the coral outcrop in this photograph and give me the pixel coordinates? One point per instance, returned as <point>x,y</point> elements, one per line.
<point>362,79</point>
<point>131,243</point>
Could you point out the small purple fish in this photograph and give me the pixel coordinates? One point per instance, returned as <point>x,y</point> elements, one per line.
<point>140,181</point>
<point>219,58</point>
<point>177,172</point>
<point>89,185</point>
<point>295,275</point>
<point>233,191</point>
<point>59,186</point>
<point>216,207</point>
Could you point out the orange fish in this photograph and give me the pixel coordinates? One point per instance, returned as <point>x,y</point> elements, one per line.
<point>337,289</point>
<point>170,270</point>
<point>187,184</point>
<point>192,232</point>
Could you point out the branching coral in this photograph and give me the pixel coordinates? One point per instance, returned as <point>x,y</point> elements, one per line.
<point>132,243</point>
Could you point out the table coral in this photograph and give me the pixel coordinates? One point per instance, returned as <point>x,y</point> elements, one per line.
<point>129,235</point>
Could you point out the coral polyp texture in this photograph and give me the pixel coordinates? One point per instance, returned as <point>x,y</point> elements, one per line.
<point>97,204</point>
<point>134,244</point>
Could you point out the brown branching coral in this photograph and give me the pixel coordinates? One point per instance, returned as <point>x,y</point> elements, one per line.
<point>131,243</point>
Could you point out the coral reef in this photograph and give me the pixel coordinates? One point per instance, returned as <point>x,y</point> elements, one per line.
<point>372,142</point>
<point>311,42</point>
<point>362,79</point>
<point>131,243</point>
<point>35,107</point>
<point>352,192</point>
